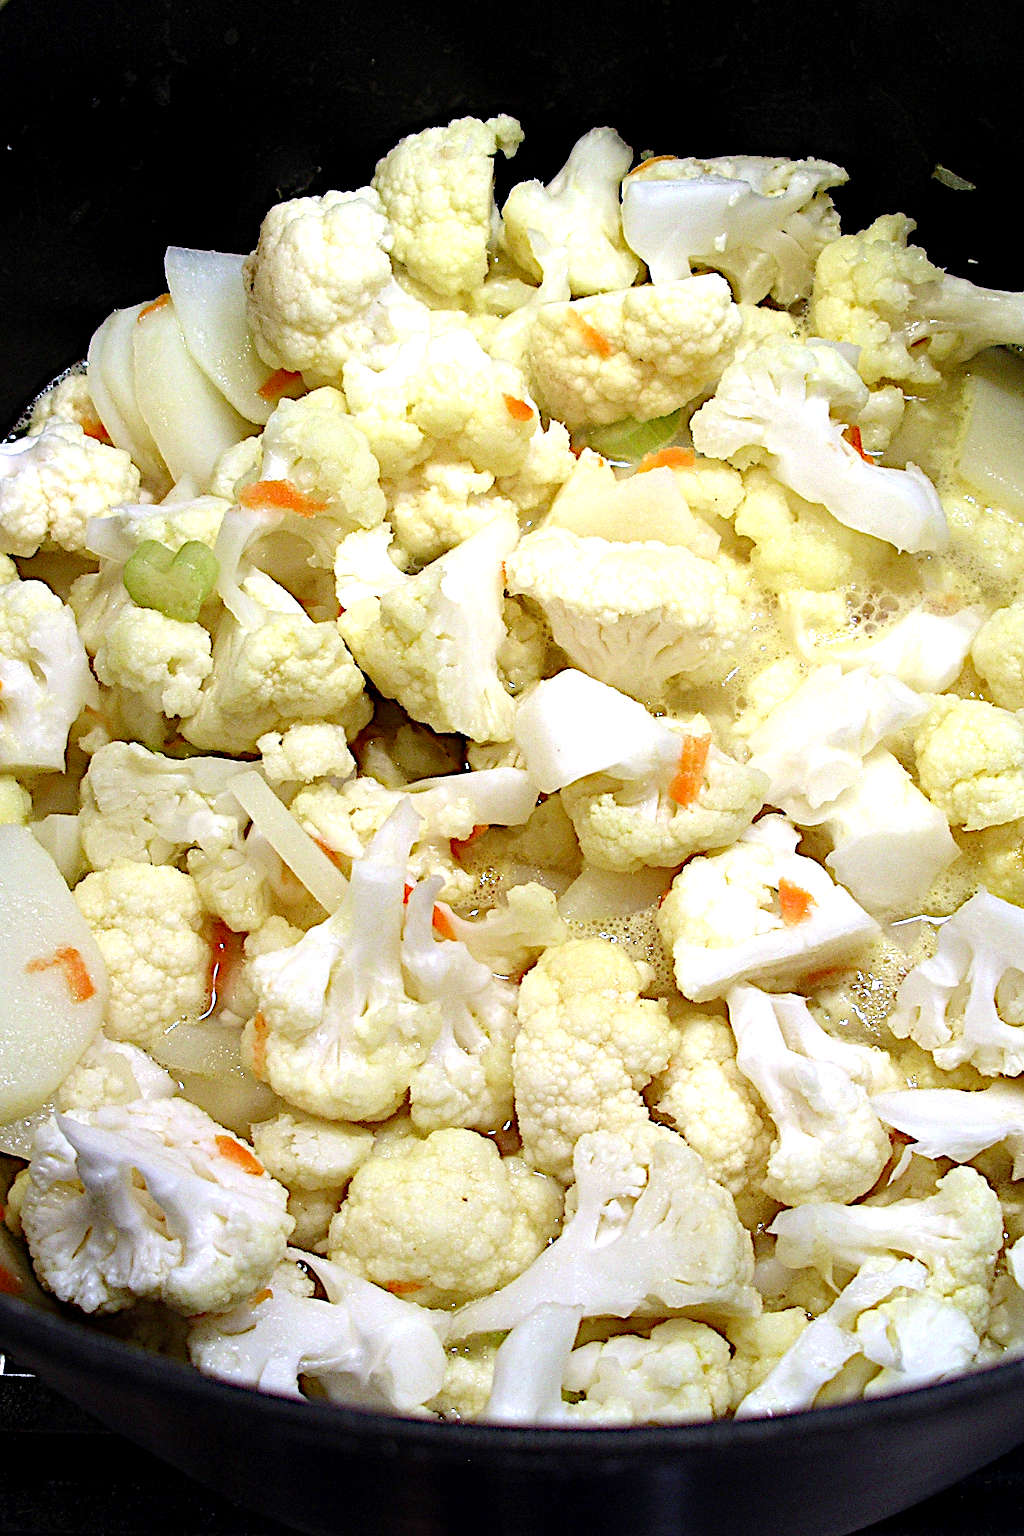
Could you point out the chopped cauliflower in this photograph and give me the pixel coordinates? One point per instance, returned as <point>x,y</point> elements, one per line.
<point>45,681</point>
<point>54,481</point>
<point>970,761</point>
<point>680,1373</point>
<point>444,1219</point>
<point>306,1153</point>
<point>164,661</point>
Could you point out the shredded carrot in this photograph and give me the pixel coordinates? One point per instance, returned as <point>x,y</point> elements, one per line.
<point>265,1295</point>
<point>403,1287</point>
<point>815,978</point>
<point>329,852</point>
<point>666,458</point>
<point>233,1150</point>
<point>93,427</point>
<point>10,1284</point>
<point>258,1050</point>
<point>519,410</point>
<point>225,953</point>
<point>459,845</point>
<point>278,384</point>
<point>689,774</point>
<point>638,170</point>
<point>794,902</point>
<point>150,309</point>
<point>591,335</point>
<point>856,442</point>
<point>76,972</point>
<point>280,496</point>
<point>440,919</point>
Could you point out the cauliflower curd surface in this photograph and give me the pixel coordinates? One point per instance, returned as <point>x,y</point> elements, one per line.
<point>526,914</point>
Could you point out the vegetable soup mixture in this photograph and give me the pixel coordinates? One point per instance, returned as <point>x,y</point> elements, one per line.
<point>512,800</point>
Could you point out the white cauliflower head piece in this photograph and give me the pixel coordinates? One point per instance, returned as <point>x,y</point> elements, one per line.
<point>151,1199</point>
<point>45,681</point>
<point>54,481</point>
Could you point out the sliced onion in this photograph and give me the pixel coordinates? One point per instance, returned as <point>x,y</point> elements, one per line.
<point>294,846</point>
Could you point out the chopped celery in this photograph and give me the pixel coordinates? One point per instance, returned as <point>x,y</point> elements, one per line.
<point>175,583</point>
<point>629,440</point>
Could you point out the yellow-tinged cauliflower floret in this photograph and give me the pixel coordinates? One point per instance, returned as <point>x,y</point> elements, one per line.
<point>640,352</point>
<point>759,1343</point>
<point>438,504</point>
<point>45,680</point>
<point>432,641</point>
<point>679,1374</point>
<point>587,1045</point>
<point>150,926</point>
<point>443,397</point>
<point>307,1153</point>
<point>437,190</point>
<point>163,661</point>
<point>283,669</point>
<point>970,762</point>
<point>303,753</point>
<point>444,1219</point>
<point>320,286</point>
<point>67,400</point>
<point>113,1072</point>
<point>705,1096</point>
<point>637,616</point>
<point>797,544</point>
<point>53,481</point>
<point>907,317</point>
<point>468,1378</point>
<point>15,801</point>
<point>659,822</point>
<point>997,853</point>
<point>998,654</point>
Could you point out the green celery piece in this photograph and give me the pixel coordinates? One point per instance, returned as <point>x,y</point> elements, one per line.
<point>629,440</point>
<point>175,583</point>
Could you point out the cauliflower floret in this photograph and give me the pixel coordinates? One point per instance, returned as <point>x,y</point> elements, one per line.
<point>278,671</point>
<point>67,400</point>
<point>150,1199</point>
<point>320,287</point>
<point>998,654</point>
<point>966,1003</point>
<point>468,1379</point>
<point>306,752</point>
<point>150,926</point>
<point>437,190</point>
<point>996,854</point>
<point>307,1153</point>
<point>640,352</point>
<point>830,1144</point>
<point>761,221</point>
<point>776,404</point>
<point>705,802</point>
<point>45,681</point>
<point>638,616</point>
<point>432,642</point>
<point>360,1346</point>
<point>705,1096</point>
<point>113,1072</point>
<point>445,397</point>
<point>759,1343</point>
<point>908,319</point>
<point>957,1233</point>
<point>757,911</point>
<point>444,1219</point>
<point>575,218</point>
<point>799,545</point>
<point>438,504</point>
<point>649,1233</point>
<point>164,661</point>
<point>15,802</point>
<point>970,762</point>
<point>587,1045</point>
<point>678,1375</point>
<point>53,482</point>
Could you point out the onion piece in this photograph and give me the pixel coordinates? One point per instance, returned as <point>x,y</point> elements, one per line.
<point>289,841</point>
<point>209,299</point>
<point>111,377</point>
<point>991,456</point>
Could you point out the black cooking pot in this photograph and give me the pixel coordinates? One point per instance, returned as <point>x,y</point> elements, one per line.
<point>131,124</point>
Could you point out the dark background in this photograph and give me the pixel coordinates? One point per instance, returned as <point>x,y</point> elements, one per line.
<point>127,126</point>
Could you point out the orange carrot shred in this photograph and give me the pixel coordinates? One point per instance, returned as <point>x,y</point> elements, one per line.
<point>93,427</point>
<point>638,170</point>
<point>265,1295</point>
<point>225,952</point>
<point>278,384</point>
<point>403,1287</point>
<point>331,853</point>
<point>519,410</point>
<point>439,921</point>
<point>280,496</point>
<point>150,309</point>
<point>10,1284</point>
<point>233,1150</point>
<point>76,972</point>
<point>794,903</point>
<point>591,335</point>
<point>258,1047</point>
<point>460,844</point>
<point>666,458</point>
<point>689,774</point>
<point>856,442</point>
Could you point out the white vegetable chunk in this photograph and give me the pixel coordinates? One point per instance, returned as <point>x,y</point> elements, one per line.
<point>992,449</point>
<point>111,373</point>
<point>209,299</point>
<point>55,982</point>
<point>191,422</point>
